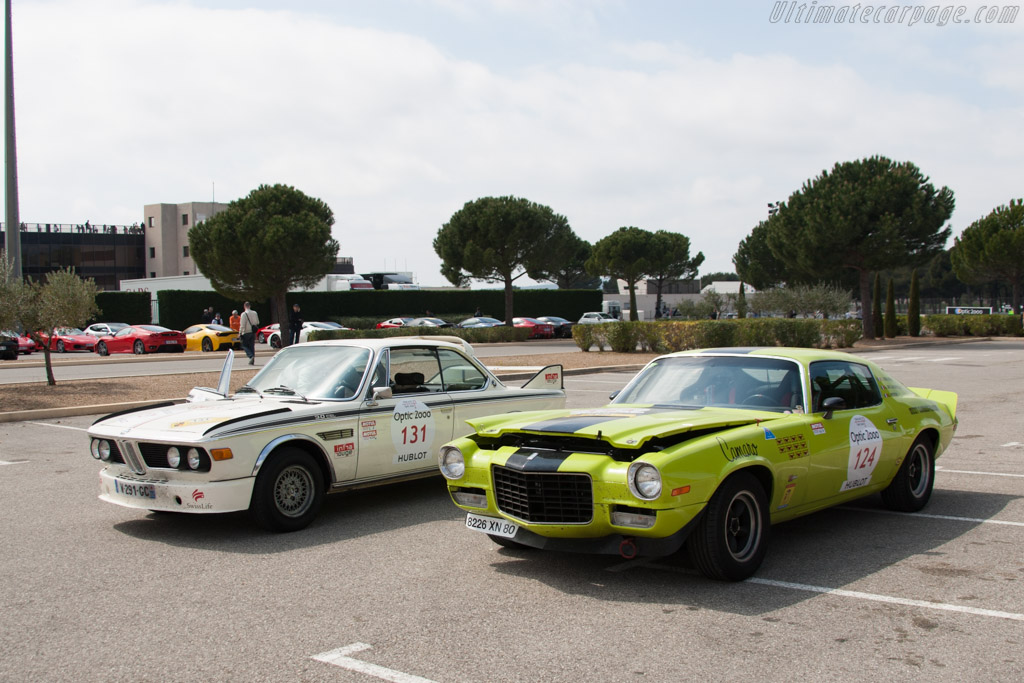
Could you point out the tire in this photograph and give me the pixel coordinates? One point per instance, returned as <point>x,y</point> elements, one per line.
<point>275,341</point>
<point>139,348</point>
<point>207,344</point>
<point>261,338</point>
<point>911,488</point>
<point>289,491</point>
<point>731,539</point>
<point>101,348</point>
<point>60,346</point>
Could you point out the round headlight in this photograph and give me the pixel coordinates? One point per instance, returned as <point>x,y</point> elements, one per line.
<point>173,457</point>
<point>193,458</point>
<point>94,448</point>
<point>452,463</point>
<point>644,480</point>
<point>103,448</point>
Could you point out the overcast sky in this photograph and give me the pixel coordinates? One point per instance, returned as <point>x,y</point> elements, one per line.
<point>661,114</point>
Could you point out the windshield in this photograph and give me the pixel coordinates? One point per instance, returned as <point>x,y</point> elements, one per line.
<point>314,372</point>
<point>721,381</point>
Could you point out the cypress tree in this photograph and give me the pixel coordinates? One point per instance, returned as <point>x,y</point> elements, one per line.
<point>876,306</point>
<point>890,310</point>
<point>914,307</point>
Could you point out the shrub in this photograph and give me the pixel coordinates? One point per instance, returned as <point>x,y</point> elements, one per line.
<point>583,335</point>
<point>623,337</point>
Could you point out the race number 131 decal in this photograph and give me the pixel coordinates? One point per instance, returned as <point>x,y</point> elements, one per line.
<point>412,431</point>
<point>865,452</point>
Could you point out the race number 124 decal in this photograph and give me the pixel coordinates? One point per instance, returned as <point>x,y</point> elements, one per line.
<point>865,452</point>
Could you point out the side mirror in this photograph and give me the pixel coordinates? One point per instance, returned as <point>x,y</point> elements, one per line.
<point>382,392</point>
<point>611,396</point>
<point>833,403</point>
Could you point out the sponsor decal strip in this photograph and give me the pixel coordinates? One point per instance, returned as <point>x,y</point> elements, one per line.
<point>888,598</point>
<point>340,657</point>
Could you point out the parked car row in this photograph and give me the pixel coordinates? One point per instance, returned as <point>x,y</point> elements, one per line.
<point>544,327</point>
<point>703,449</point>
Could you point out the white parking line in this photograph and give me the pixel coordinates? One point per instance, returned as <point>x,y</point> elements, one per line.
<point>340,657</point>
<point>889,599</point>
<point>860,595</point>
<point>942,360</point>
<point>47,424</point>
<point>972,520</point>
<point>986,474</point>
<point>1012,444</point>
<point>15,462</point>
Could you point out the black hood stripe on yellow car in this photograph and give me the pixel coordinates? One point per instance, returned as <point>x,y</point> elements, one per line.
<point>529,460</point>
<point>571,423</point>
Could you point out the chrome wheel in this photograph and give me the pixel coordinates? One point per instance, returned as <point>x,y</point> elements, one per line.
<point>293,491</point>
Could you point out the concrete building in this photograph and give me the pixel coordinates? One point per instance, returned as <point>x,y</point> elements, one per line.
<point>167,249</point>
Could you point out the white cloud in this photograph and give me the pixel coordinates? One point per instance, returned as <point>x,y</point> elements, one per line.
<point>126,103</point>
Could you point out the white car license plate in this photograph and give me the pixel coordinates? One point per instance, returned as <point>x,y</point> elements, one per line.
<point>491,525</point>
<point>171,342</point>
<point>127,488</point>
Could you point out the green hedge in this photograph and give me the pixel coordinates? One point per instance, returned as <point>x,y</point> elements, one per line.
<point>123,307</point>
<point>181,308</point>
<point>669,336</point>
<point>994,325</point>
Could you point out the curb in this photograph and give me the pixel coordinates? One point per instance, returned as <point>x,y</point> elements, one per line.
<point>105,408</point>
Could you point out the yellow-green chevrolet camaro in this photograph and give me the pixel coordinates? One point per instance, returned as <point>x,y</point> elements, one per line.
<point>710,447</point>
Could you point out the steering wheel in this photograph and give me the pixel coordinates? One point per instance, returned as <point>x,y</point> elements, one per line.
<point>760,400</point>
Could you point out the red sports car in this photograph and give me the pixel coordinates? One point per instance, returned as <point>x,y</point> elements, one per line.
<point>70,339</point>
<point>538,329</point>
<point>393,322</point>
<point>141,339</point>
<point>25,343</point>
<point>264,332</point>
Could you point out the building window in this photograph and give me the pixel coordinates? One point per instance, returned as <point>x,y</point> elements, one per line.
<point>184,219</point>
<point>152,274</point>
<point>185,273</point>
<point>184,252</point>
<point>152,252</point>
<point>150,219</point>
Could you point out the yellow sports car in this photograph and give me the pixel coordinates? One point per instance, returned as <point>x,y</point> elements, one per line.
<point>707,448</point>
<point>210,338</point>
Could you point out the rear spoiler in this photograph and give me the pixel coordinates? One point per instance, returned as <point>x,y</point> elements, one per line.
<point>548,378</point>
<point>947,399</point>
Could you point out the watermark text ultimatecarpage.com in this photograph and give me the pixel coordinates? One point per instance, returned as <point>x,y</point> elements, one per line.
<point>795,12</point>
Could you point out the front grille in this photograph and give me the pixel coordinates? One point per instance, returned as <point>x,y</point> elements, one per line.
<point>544,497</point>
<point>155,455</point>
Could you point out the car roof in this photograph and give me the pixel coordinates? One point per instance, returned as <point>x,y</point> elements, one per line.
<point>803,355</point>
<point>440,340</point>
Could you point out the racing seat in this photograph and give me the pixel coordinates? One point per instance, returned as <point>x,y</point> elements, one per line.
<point>408,383</point>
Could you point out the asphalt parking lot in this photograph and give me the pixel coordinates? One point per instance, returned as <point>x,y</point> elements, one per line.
<point>389,585</point>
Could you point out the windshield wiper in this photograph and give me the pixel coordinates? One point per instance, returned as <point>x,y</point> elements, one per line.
<point>287,391</point>
<point>249,390</point>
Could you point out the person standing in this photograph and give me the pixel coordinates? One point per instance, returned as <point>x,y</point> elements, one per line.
<point>295,324</point>
<point>208,315</point>
<point>247,327</point>
<point>217,320</point>
<point>235,320</point>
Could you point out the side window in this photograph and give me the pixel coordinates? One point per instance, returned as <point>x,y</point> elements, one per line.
<point>458,373</point>
<point>415,370</point>
<point>850,381</point>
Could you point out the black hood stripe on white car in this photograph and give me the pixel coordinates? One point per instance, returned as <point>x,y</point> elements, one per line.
<point>246,417</point>
<point>528,460</point>
<point>133,410</point>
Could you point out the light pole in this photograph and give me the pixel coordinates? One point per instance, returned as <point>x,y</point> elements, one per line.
<point>13,227</point>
